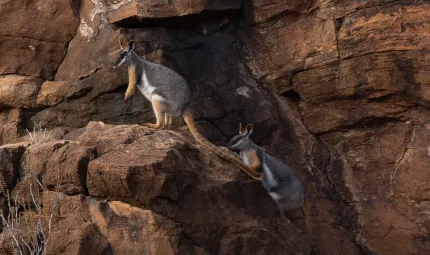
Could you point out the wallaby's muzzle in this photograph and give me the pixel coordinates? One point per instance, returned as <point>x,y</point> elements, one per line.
<point>122,57</point>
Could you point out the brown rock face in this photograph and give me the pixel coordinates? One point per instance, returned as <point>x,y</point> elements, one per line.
<point>156,9</point>
<point>166,181</point>
<point>339,90</point>
<point>18,91</point>
<point>9,120</point>
<point>33,35</point>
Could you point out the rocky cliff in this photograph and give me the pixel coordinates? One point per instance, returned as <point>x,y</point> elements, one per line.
<point>339,90</point>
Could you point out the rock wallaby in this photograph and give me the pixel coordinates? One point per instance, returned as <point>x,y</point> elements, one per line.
<point>282,183</point>
<point>170,96</point>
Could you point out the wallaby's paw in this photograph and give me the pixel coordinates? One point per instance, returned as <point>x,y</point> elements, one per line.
<point>151,125</point>
<point>128,94</point>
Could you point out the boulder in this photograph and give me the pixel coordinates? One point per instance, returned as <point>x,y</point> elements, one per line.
<point>37,49</point>
<point>18,91</point>
<point>392,27</point>
<point>10,156</point>
<point>154,9</point>
<point>9,120</point>
<point>26,56</point>
<point>98,227</point>
<point>157,170</point>
<point>52,93</point>
<point>372,170</point>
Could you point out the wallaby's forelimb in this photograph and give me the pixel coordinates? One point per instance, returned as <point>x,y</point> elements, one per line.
<point>132,82</point>
<point>254,160</point>
<point>224,154</point>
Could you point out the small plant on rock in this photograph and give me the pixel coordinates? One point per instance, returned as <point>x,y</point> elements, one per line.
<point>39,134</point>
<point>26,229</point>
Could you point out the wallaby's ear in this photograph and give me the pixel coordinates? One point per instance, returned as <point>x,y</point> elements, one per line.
<point>241,129</point>
<point>249,129</point>
<point>131,45</point>
<point>122,42</point>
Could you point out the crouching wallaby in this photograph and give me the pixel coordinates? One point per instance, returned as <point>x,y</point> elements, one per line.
<point>170,96</point>
<point>282,183</point>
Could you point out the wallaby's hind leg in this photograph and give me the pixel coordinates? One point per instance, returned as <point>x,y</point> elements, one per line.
<point>158,108</point>
<point>167,120</point>
<point>170,120</point>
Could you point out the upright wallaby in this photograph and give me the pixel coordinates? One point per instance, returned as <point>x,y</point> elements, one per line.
<point>170,96</point>
<point>282,183</point>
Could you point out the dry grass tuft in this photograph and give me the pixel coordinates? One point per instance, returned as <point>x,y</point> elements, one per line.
<point>39,135</point>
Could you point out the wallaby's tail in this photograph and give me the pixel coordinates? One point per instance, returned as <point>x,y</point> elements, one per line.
<point>308,216</point>
<point>188,117</point>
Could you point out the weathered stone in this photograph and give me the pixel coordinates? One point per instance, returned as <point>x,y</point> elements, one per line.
<point>351,81</point>
<point>9,120</point>
<point>372,169</point>
<point>34,160</point>
<point>116,227</point>
<point>18,91</point>
<point>43,20</point>
<point>157,169</point>
<point>31,57</point>
<point>156,9</point>
<point>105,137</point>
<point>52,93</point>
<point>257,11</point>
<point>335,9</point>
<point>67,168</point>
<point>375,86</point>
<point>33,35</point>
<point>387,28</point>
<point>275,52</point>
<point>10,156</point>
<point>59,163</point>
<point>71,215</point>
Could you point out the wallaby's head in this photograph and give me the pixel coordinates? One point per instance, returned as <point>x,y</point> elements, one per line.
<point>124,56</point>
<point>242,140</point>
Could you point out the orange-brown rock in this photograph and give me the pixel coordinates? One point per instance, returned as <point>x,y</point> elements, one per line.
<point>353,91</point>
<point>156,9</point>
<point>9,119</point>
<point>283,43</point>
<point>113,227</point>
<point>156,171</point>
<point>387,28</point>
<point>31,57</point>
<point>50,20</point>
<point>18,91</point>
<point>33,35</point>
<point>52,93</point>
<point>60,163</point>
<point>381,182</point>
<point>339,90</point>
<point>9,162</point>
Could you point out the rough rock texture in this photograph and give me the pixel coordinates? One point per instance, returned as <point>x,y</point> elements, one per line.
<point>167,183</point>
<point>339,90</point>
<point>156,9</point>
<point>34,35</point>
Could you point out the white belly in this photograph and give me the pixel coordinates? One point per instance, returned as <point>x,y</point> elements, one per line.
<point>268,180</point>
<point>245,159</point>
<point>275,196</point>
<point>146,88</point>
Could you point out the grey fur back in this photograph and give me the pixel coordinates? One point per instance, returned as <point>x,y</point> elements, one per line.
<point>284,183</point>
<point>167,83</point>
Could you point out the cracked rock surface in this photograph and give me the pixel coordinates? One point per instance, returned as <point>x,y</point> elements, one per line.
<point>339,90</point>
